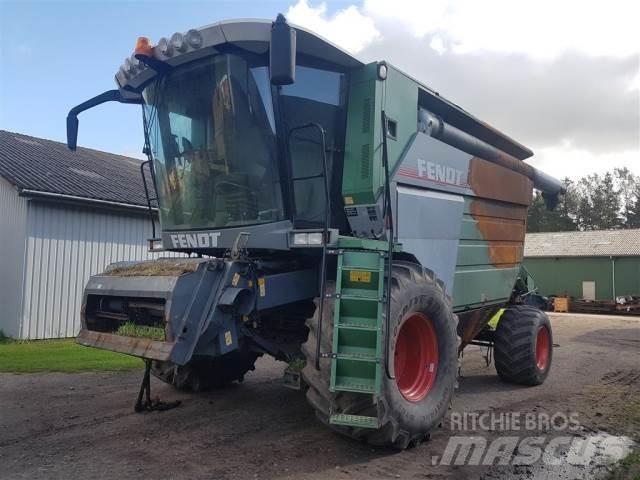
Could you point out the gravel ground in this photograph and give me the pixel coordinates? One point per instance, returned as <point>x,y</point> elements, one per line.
<point>83,425</point>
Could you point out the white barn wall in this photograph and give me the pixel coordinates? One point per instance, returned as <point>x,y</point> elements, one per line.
<point>65,246</point>
<point>13,219</point>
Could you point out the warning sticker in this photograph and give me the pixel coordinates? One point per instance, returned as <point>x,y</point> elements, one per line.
<point>235,279</point>
<point>262,285</point>
<point>359,276</point>
<point>228,339</point>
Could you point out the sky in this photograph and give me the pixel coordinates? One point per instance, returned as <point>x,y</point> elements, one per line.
<point>560,76</point>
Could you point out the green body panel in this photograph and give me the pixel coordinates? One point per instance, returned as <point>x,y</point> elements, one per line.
<point>564,275</point>
<point>400,105</point>
<point>481,285</point>
<point>478,280</point>
<point>362,155</point>
<point>363,176</point>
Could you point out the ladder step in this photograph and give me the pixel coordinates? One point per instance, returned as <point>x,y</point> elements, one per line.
<point>358,421</point>
<point>359,294</point>
<point>355,268</point>
<point>359,357</point>
<point>350,325</point>
<point>343,385</point>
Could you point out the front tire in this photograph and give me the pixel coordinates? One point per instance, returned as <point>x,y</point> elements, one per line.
<point>415,401</point>
<point>523,346</point>
<point>206,373</point>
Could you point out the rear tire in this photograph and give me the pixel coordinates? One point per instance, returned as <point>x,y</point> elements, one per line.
<point>409,410</point>
<point>206,373</point>
<point>523,346</point>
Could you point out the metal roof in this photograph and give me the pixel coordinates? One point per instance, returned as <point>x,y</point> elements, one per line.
<point>36,165</point>
<point>597,243</point>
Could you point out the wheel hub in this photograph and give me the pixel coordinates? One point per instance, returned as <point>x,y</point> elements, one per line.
<point>416,357</point>
<point>543,347</point>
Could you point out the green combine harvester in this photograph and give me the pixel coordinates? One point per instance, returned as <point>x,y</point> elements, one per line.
<point>341,217</point>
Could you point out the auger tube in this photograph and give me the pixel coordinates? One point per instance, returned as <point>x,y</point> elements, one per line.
<point>437,128</point>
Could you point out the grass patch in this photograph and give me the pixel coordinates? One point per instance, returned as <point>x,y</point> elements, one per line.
<point>60,356</point>
<point>628,468</point>
<point>151,268</point>
<point>144,331</point>
<point>297,365</point>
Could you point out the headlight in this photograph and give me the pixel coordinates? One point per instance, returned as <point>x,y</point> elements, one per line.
<point>165,47</point>
<point>314,239</point>
<point>301,239</point>
<point>178,42</point>
<point>194,38</point>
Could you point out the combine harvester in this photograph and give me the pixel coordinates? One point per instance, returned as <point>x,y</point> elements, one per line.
<point>337,215</point>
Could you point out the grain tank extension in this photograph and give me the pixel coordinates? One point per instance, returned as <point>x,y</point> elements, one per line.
<point>341,217</point>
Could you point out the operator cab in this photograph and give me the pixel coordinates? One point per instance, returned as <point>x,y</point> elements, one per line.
<point>214,128</point>
<point>236,143</point>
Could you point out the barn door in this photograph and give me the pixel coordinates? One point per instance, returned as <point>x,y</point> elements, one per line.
<point>589,290</point>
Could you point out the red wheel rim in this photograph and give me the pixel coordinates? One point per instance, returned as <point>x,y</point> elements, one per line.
<point>416,357</point>
<point>543,347</point>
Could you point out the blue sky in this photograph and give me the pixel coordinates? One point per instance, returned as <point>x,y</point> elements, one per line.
<point>488,56</point>
<point>55,55</point>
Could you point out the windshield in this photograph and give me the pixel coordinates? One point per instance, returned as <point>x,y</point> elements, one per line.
<point>212,136</point>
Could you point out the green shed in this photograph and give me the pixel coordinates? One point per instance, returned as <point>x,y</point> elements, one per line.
<point>595,265</point>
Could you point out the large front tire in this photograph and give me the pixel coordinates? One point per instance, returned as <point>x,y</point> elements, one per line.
<point>415,401</point>
<point>523,346</point>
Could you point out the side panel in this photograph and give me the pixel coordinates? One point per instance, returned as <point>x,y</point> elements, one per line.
<point>362,151</point>
<point>363,175</point>
<point>429,227</point>
<point>461,216</point>
<point>491,226</point>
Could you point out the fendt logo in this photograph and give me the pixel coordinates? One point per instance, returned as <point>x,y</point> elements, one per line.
<point>434,172</point>
<point>195,240</point>
<point>440,173</point>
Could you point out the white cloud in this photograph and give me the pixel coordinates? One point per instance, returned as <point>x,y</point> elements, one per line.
<point>438,45</point>
<point>562,77</point>
<point>348,28</point>
<point>542,29</point>
<point>567,161</point>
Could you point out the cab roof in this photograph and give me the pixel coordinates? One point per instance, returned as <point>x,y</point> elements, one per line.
<point>253,35</point>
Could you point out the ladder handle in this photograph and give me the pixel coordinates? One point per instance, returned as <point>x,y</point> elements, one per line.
<point>389,223</point>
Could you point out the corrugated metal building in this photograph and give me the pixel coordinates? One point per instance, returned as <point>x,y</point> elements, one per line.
<point>64,216</point>
<point>595,265</point>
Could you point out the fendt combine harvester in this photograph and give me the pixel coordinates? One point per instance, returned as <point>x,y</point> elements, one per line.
<point>336,215</point>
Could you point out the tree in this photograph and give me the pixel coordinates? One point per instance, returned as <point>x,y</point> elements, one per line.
<point>594,202</point>
<point>628,186</point>
<point>633,212</point>
<point>561,219</point>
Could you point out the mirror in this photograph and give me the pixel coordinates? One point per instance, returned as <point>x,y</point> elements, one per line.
<point>72,132</point>
<point>282,52</point>
<point>108,96</point>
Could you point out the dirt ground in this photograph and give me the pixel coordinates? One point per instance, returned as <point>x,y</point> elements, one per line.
<point>83,425</point>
